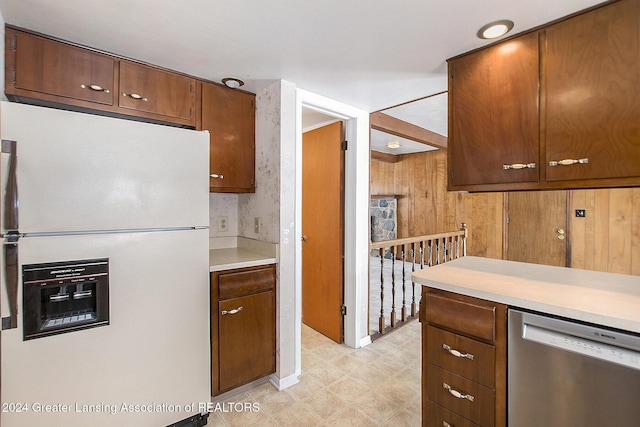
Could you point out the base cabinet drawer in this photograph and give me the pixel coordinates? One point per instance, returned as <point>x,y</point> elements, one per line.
<point>438,416</point>
<point>466,398</point>
<point>466,357</point>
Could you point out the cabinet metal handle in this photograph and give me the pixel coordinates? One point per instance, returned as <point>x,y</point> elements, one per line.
<point>519,166</point>
<point>456,353</point>
<point>445,424</point>
<point>568,162</point>
<point>456,393</point>
<point>135,96</point>
<point>234,311</point>
<point>97,88</point>
<point>304,238</point>
<point>215,175</point>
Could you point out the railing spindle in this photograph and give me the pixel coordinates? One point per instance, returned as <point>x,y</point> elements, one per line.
<point>403,312</point>
<point>413,284</point>
<point>393,286</point>
<point>381,322</point>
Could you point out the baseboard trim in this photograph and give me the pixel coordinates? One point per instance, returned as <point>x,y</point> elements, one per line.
<point>282,383</point>
<point>365,341</point>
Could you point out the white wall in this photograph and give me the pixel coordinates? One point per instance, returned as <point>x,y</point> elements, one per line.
<point>274,202</point>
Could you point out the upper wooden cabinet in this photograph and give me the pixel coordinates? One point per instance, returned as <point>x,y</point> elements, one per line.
<point>555,108</point>
<point>149,90</point>
<point>591,78</point>
<point>493,96</point>
<point>41,70</point>
<point>229,116</point>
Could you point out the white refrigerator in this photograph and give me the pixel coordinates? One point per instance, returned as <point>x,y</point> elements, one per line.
<point>136,195</point>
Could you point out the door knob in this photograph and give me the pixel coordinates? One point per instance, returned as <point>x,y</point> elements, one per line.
<point>304,238</point>
<point>560,232</point>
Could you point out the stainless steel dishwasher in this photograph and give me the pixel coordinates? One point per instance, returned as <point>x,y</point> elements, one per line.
<point>564,373</point>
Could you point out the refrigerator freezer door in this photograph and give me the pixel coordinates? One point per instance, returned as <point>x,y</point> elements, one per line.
<point>81,172</point>
<point>154,353</point>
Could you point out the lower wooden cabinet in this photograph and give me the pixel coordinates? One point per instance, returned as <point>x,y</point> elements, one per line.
<point>463,360</point>
<point>243,341</point>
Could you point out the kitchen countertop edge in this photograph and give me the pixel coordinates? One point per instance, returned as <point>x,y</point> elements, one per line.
<point>606,299</point>
<point>232,258</point>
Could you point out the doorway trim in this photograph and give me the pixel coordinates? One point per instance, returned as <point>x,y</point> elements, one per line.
<point>356,216</point>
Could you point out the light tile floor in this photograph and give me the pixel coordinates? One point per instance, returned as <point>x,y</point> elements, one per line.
<point>377,385</point>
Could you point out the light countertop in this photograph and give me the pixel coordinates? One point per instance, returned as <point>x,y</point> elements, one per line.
<point>606,299</point>
<point>227,254</point>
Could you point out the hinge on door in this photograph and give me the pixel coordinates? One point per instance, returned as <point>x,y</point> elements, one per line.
<point>13,43</point>
<point>13,76</point>
<point>451,176</point>
<point>343,310</point>
<point>344,145</point>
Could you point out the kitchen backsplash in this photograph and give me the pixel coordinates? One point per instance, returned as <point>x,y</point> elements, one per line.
<point>223,207</point>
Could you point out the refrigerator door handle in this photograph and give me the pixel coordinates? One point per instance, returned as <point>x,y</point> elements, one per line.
<point>10,247</point>
<point>11,194</point>
<point>11,276</point>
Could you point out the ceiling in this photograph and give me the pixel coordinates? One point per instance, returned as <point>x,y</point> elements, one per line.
<point>371,54</point>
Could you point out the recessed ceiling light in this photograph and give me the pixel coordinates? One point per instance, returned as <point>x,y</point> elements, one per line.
<point>495,29</point>
<point>393,144</point>
<point>231,82</point>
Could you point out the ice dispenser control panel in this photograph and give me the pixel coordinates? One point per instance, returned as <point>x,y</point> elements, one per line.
<point>65,296</point>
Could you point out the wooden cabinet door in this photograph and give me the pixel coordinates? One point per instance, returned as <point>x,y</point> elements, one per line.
<point>246,339</point>
<point>591,77</point>
<point>40,67</point>
<point>229,116</point>
<point>493,114</point>
<point>157,94</point>
<point>537,227</point>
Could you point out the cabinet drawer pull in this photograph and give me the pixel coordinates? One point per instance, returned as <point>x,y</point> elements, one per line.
<point>456,393</point>
<point>519,166</point>
<point>234,311</point>
<point>97,88</point>
<point>215,175</point>
<point>568,162</point>
<point>134,96</point>
<point>446,424</point>
<point>456,353</point>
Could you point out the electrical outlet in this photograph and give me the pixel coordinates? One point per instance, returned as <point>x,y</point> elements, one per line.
<point>223,224</point>
<point>256,225</point>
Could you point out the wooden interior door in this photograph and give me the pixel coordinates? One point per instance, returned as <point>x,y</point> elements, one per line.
<point>537,227</point>
<point>322,230</point>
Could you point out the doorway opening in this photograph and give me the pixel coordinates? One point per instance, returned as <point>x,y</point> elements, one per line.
<point>323,229</point>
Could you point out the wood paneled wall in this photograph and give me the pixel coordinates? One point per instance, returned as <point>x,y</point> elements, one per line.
<point>425,207</point>
<point>607,239</point>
